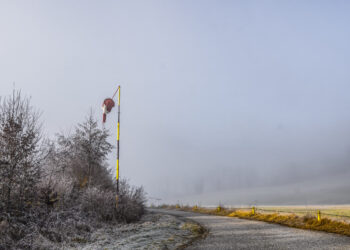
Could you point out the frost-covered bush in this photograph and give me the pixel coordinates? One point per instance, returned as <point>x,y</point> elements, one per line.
<point>130,202</point>
<point>104,204</point>
<point>99,203</point>
<point>56,193</point>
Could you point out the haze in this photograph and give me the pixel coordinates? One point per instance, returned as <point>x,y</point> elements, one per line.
<point>238,102</point>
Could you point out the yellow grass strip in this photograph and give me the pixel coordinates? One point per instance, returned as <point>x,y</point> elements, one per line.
<point>304,222</point>
<point>292,220</point>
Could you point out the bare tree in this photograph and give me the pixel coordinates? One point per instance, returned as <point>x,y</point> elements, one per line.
<point>20,154</point>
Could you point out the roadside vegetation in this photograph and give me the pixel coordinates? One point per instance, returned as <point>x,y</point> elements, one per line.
<point>307,221</point>
<point>56,192</point>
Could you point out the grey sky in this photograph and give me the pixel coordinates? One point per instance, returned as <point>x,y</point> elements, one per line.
<point>217,96</point>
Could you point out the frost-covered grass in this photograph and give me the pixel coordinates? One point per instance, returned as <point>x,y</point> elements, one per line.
<point>68,230</point>
<point>71,221</point>
<point>153,231</point>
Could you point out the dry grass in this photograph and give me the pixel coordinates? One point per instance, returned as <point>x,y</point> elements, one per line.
<point>308,221</point>
<point>304,222</point>
<point>334,212</point>
<point>195,228</point>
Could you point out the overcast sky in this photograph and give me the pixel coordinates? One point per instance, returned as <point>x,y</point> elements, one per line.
<point>218,97</point>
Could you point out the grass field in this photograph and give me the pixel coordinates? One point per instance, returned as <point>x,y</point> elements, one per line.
<point>338,212</point>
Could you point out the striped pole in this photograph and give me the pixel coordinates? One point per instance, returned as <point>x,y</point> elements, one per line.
<point>118,134</point>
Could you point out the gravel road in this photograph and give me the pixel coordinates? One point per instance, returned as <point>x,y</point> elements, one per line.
<point>234,233</point>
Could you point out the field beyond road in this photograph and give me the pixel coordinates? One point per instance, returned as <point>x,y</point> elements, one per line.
<point>235,233</point>
<point>334,212</point>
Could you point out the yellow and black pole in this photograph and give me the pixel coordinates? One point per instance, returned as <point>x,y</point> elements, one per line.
<point>118,136</point>
<point>107,106</point>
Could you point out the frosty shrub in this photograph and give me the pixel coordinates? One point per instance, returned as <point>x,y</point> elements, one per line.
<point>105,205</point>
<point>85,153</point>
<point>130,202</point>
<point>53,193</point>
<point>99,203</point>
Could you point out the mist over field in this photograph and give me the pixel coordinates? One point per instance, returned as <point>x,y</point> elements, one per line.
<point>238,102</point>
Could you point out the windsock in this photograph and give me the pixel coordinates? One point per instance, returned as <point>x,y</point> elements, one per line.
<point>107,106</point>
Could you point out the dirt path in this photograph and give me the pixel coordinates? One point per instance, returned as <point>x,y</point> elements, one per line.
<point>234,233</point>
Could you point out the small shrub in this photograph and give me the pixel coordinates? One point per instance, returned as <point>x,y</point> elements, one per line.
<point>99,203</point>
